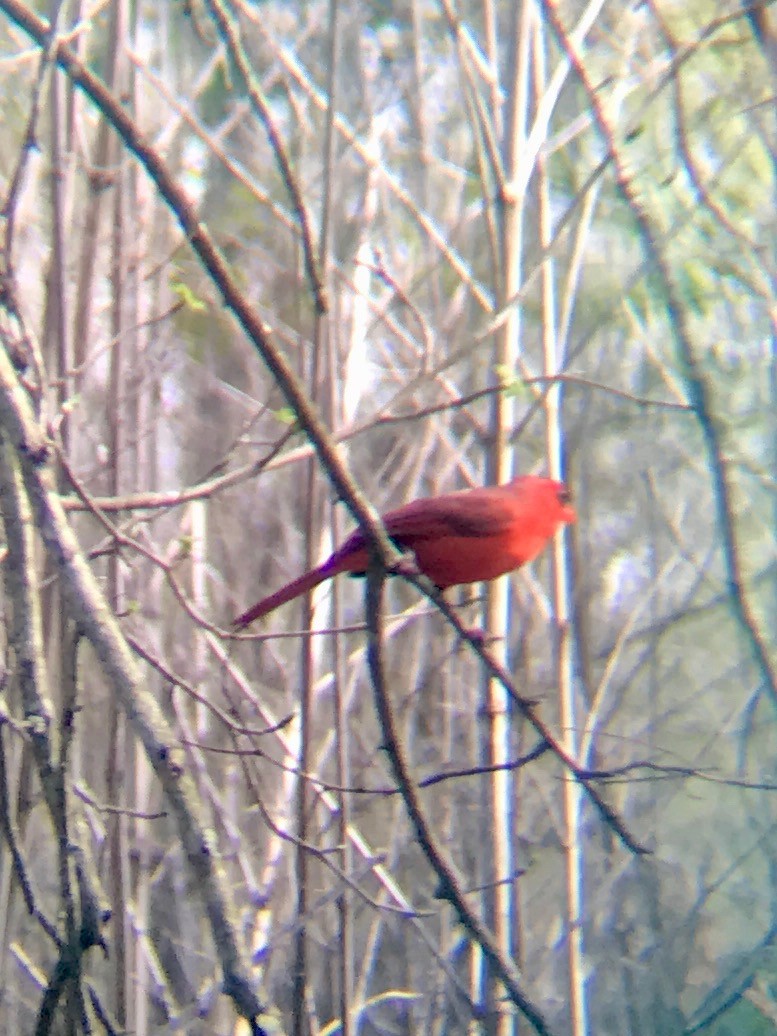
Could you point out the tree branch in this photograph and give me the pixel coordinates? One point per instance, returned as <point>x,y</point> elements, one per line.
<point>696,385</point>
<point>451,887</point>
<point>96,622</point>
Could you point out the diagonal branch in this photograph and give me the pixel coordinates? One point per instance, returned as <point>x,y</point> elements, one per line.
<point>97,623</point>
<point>528,709</point>
<point>229,31</point>
<point>696,385</point>
<point>213,261</point>
<point>451,887</point>
<point>261,337</point>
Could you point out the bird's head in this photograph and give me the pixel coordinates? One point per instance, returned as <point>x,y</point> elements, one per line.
<point>548,496</point>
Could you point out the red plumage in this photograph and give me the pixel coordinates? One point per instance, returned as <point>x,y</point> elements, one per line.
<point>470,536</point>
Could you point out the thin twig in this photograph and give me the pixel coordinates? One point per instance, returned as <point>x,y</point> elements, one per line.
<point>93,617</point>
<point>697,387</point>
<point>229,33</point>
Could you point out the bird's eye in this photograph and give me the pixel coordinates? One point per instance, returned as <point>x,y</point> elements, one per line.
<point>564,496</point>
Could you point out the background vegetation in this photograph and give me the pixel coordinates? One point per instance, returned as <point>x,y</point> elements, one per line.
<point>260,258</point>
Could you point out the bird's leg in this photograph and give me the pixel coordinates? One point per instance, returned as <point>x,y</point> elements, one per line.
<point>477,634</point>
<point>405,566</point>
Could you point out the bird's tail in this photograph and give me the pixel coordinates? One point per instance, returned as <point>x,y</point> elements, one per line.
<point>295,588</point>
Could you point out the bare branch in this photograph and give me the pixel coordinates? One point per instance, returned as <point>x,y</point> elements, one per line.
<point>95,621</point>
<point>451,887</point>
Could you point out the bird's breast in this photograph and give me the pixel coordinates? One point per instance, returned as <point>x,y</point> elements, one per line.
<point>452,560</point>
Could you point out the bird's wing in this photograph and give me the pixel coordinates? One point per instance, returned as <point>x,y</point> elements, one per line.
<point>511,513</point>
<point>477,513</point>
<point>474,512</point>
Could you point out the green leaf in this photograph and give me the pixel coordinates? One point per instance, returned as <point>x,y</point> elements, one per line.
<point>509,382</point>
<point>187,296</point>
<point>285,415</point>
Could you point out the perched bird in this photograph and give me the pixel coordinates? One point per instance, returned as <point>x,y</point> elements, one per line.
<point>469,536</point>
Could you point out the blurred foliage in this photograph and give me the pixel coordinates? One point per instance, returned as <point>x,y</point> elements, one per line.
<point>664,670</point>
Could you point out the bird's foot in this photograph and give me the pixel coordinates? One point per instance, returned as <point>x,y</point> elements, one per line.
<point>405,566</point>
<point>479,636</point>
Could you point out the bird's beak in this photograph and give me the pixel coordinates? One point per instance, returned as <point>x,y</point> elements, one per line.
<point>567,514</point>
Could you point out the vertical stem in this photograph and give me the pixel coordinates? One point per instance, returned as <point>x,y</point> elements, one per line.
<point>300,1014</point>
<point>115,758</point>
<point>345,921</point>
<point>299,1009</point>
<point>343,776</point>
<point>765,30</point>
<point>198,530</point>
<point>500,464</point>
<point>478,978</point>
<point>58,295</point>
<point>64,362</point>
<point>572,791</point>
<point>58,340</point>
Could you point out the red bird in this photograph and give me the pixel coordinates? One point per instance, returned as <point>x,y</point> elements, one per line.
<point>466,537</point>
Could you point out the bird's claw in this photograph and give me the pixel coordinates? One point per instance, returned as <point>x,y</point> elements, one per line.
<point>480,637</point>
<point>406,566</point>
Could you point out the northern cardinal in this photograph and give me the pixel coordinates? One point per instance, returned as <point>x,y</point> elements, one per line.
<point>466,537</point>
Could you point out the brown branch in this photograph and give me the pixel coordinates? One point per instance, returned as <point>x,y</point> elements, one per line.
<point>612,776</point>
<point>229,33</point>
<point>450,887</point>
<point>691,167</point>
<point>355,789</point>
<point>380,270</point>
<point>93,617</point>
<point>26,628</point>
<point>178,681</point>
<point>576,379</point>
<point>254,327</point>
<point>304,80</point>
<point>323,855</point>
<point>29,145</point>
<point>121,539</point>
<point>475,771</point>
<point>48,748</point>
<point>213,261</point>
<point>161,501</point>
<point>121,811</point>
<point>526,707</point>
<point>698,390</point>
<point>10,833</point>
